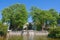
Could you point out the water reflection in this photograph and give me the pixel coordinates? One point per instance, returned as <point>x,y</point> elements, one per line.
<point>31,36</point>
<point>28,35</point>
<point>25,37</point>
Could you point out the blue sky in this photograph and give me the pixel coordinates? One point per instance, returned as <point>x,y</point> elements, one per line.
<point>42,4</point>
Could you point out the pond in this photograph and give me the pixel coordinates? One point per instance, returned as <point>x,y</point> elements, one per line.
<point>35,38</point>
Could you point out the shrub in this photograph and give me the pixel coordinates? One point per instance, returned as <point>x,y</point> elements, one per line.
<point>3,29</point>
<point>39,28</point>
<point>1,33</point>
<point>55,33</point>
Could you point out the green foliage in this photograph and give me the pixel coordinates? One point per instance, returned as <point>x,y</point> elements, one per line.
<point>55,17</point>
<point>3,29</point>
<point>59,19</point>
<point>55,33</point>
<point>40,17</point>
<point>15,38</point>
<point>38,27</point>
<point>16,15</point>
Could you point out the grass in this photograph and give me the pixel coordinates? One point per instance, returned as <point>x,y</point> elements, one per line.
<point>44,38</point>
<point>15,38</point>
<point>35,38</point>
<point>2,38</point>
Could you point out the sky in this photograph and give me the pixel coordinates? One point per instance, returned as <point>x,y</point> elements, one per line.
<point>42,4</point>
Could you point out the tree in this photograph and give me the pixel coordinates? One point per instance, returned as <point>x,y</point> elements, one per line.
<point>15,15</point>
<point>55,17</point>
<point>58,19</point>
<point>34,13</point>
<point>40,16</point>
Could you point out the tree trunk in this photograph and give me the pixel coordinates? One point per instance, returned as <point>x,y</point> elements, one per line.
<point>43,26</point>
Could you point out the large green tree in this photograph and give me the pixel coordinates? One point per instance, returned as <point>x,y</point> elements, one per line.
<point>15,15</point>
<point>42,17</point>
<point>39,16</point>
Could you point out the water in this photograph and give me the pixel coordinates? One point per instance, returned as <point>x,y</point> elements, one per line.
<point>35,38</point>
<point>30,35</point>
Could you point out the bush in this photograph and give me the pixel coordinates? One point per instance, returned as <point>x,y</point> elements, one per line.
<point>55,33</point>
<point>1,33</point>
<point>39,28</point>
<point>3,29</point>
